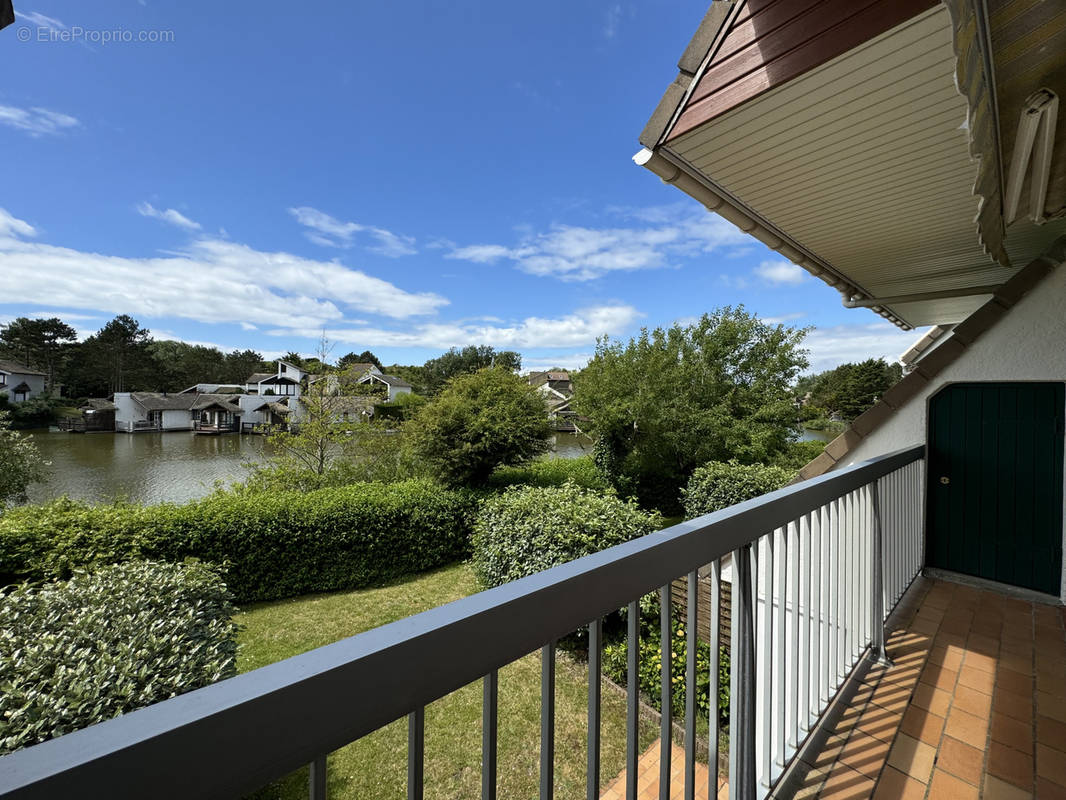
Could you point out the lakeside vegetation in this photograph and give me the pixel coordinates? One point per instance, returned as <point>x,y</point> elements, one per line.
<point>686,420</point>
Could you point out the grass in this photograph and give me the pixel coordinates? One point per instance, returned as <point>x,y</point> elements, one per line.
<point>375,766</point>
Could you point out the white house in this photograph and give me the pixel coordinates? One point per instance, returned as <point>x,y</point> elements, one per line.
<point>395,386</point>
<point>19,383</point>
<point>160,411</point>
<point>284,381</point>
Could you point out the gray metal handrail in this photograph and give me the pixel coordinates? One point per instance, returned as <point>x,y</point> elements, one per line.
<point>239,734</point>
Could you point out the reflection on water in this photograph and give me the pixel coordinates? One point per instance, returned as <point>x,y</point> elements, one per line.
<point>808,435</point>
<point>141,467</point>
<point>166,467</point>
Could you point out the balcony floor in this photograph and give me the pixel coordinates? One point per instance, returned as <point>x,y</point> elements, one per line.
<point>974,706</point>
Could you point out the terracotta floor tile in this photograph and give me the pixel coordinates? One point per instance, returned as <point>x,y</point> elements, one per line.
<point>939,676</point>
<point>1015,662</point>
<point>1051,764</point>
<point>1051,732</point>
<point>894,785</point>
<point>827,755</point>
<point>967,728</point>
<point>972,701</point>
<point>1018,706</point>
<point>979,643</point>
<point>922,725</point>
<point>1048,705</point>
<point>976,679</point>
<point>961,760</point>
<point>981,661</point>
<point>1012,732</point>
<point>892,697</point>
<point>1011,765</point>
<point>948,655</point>
<point>1050,683</point>
<point>948,787</point>
<point>1046,790</point>
<point>934,700</point>
<point>844,783</point>
<point>865,754</point>
<point>811,785</point>
<point>996,789</point>
<point>880,723</point>
<point>912,757</point>
<point>1012,681</point>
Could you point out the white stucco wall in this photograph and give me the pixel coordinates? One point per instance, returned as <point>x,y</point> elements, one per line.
<point>35,382</point>
<point>1027,344</point>
<point>126,411</point>
<point>176,420</point>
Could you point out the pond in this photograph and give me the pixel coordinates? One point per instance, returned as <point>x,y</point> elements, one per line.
<point>166,467</point>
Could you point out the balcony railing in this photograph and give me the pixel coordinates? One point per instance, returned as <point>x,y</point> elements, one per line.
<point>814,568</point>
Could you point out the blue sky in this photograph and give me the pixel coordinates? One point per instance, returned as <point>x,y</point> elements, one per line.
<point>406,177</point>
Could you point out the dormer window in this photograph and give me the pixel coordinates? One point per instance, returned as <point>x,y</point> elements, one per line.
<point>281,367</point>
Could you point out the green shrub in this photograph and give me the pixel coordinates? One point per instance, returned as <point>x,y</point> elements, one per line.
<point>719,484</point>
<point>529,529</point>
<point>274,544</point>
<point>552,472</point>
<point>799,454</point>
<point>649,671</point>
<point>82,651</point>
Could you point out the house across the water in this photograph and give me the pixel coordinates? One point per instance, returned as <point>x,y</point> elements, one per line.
<point>160,411</point>
<point>19,383</point>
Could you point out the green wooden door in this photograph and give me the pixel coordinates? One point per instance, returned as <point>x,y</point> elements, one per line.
<point>995,482</point>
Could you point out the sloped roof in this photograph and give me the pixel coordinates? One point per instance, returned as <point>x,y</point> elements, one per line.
<point>256,377</point>
<point>99,404</point>
<point>205,401</point>
<point>392,380</point>
<point>157,401</point>
<point>22,387</point>
<point>361,367</point>
<point>952,346</point>
<point>18,369</point>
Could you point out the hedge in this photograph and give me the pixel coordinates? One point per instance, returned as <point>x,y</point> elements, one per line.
<point>274,544</point>
<point>528,529</point>
<point>717,485</point>
<point>79,652</point>
<point>552,472</point>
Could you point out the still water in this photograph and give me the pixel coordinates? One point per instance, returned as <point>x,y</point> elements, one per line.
<point>166,467</point>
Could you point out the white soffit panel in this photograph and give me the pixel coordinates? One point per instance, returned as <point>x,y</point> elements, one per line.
<point>865,162</point>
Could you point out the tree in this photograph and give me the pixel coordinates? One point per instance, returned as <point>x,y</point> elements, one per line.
<point>366,357</point>
<point>20,462</point>
<point>674,399</point>
<point>848,390</point>
<point>39,343</point>
<point>116,358</point>
<point>478,422</point>
<point>239,364</point>
<point>439,371</point>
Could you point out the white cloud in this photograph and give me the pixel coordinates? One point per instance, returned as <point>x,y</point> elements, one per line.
<point>580,328</point>
<point>780,318</point>
<point>329,231</point>
<point>247,326</point>
<point>564,361</point>
<point>780,273</point>
<point>36,121</point>
<point>66,316</point>
<point>831,347</point>
<point>12,226</point>
<point>41,21</point>
<point>169,216</point>
<point>612,20</point>
<point>575,253</point>
<point>210,281</point>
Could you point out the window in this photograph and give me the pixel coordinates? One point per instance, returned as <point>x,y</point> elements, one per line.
<point>3,379</point>
<point>20,396</point>
<point>281,368</point>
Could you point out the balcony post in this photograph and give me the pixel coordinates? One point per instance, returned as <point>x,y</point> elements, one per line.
<point>877,622</point>
<point>742,681</point>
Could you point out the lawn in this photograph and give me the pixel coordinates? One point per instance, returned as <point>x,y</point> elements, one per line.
<point>376,766</point>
